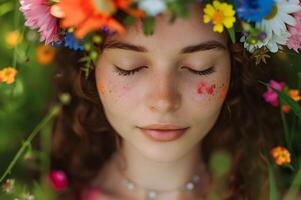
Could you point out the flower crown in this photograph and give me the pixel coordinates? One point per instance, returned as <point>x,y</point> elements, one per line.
<point>264,25</point>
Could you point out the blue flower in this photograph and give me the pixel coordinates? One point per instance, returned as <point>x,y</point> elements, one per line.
<point>72,43</point>
<point>253,10</point>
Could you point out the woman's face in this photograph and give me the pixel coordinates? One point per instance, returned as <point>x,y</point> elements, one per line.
<point>165,86</point>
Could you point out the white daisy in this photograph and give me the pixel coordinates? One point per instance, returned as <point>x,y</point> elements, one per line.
<point>273,42</point>
<point>152,7</point>
<point>276,21</point>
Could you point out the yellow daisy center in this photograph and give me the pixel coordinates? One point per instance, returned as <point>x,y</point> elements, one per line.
<point>218,17</point>
<point>272,14</point>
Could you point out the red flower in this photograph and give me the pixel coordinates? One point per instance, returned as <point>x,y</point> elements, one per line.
<point>58,180</point>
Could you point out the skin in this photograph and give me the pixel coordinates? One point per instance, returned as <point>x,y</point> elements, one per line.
<point>163,91</point>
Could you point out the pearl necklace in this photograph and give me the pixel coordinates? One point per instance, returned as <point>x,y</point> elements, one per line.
<point>151,194</point>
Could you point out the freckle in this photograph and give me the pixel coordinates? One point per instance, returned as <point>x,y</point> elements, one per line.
<point>126,88</point>
<point>101,87</point>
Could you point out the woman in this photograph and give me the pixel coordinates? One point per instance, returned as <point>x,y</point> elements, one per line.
<point>155,109</point>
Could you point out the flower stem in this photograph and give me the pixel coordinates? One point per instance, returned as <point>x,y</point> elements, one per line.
<point>52,113</point>
<point>286,131</point>
<point>293,190</point>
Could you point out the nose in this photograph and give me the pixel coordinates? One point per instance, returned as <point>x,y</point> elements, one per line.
<point>163,95</point>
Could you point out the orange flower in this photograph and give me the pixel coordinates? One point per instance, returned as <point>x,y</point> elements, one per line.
<point>45,54</point>
<point>281,155</point>
<point>286,108</point>
<point>7,75</point>
<point>94,14</point>
<point>294,94</point>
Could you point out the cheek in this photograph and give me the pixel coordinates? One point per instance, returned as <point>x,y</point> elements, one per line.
<point>209,91</point>
<point>114,91</point>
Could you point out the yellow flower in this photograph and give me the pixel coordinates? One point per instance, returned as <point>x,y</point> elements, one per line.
<point>7,75</point>
<point>45,54</point>
<point>294,94</point>
<point>281,155</point>
<point>13,38</point>
<point>220,14</point>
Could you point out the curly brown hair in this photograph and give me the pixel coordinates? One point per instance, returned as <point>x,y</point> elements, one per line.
<point>83,140</point>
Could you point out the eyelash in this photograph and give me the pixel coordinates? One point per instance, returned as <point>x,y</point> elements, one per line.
<point>123,72</point>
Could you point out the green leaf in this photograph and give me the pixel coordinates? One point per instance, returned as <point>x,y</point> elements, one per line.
<point>148,25</point>
<point>129,20</point>
<point>273,186</point>
<point>295,186</point>
<point>232,34</point>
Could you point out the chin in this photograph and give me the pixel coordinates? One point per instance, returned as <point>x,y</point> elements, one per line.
<point>164,152</point>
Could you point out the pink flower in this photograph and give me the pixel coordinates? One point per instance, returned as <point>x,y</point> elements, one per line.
<point>294,41</point>
<point>58,180</point>
<point>270,96</point>
<point>37,15</point>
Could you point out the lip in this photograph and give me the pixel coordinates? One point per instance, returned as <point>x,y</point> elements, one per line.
<point>163,127</point>
<point>163,132</point>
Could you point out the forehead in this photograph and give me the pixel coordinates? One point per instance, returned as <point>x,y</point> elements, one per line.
<point>171,37</point>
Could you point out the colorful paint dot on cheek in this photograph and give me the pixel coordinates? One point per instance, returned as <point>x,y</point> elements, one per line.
<point>101,86</point>
<point>210,89</point>
<point>224,92</point>
<point>201,87</point>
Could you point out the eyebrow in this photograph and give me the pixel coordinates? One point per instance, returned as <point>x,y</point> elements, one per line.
<point>203,46</point>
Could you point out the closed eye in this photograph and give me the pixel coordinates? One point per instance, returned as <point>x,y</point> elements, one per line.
<point>205,72</point>
<point>124,72</point>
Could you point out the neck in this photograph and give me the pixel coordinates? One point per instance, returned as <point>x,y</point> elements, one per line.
<point>156,175</point>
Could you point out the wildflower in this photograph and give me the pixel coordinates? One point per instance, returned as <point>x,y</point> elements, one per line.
<point>37,15</point>
<point>270,96</point>
<point>72,43</point>
<point>26,196</point>
<point>281,155</point>
<point>45,54</point>
<point>253,10</point>
<point>94,15</point>
<point>152,7</point>
<point>294,41</point>
<point>8,186</point>
<point>7,75</point>
<point>272,42</point>
<point>285,108</point>
<point>261,55</point>
<point>13,38</point>
<point>220,14</point>
<point>280,16</point>
<point>58,180</point>
<point>294,94</point>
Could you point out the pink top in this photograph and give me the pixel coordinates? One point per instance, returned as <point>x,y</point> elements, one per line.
<point>91,193</point>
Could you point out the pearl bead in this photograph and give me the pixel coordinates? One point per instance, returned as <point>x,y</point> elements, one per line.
<point>152,194</point>
<point>189,186</point>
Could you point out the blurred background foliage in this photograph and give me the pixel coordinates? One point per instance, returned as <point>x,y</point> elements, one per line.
<point>23,103</point>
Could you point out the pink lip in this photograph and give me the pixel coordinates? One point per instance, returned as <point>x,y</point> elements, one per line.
<point>163,135</point>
